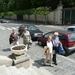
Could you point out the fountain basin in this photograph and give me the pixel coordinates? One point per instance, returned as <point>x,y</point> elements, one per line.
<point>19,49</point>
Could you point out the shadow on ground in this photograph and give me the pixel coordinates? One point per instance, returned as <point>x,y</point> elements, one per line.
<point>39,63</point>
<point>6,50</point>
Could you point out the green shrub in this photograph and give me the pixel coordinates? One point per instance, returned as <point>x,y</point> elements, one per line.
<point>42,10</point>
<point>3,13</point>
<point>39,10</point>
<point>10,13</point>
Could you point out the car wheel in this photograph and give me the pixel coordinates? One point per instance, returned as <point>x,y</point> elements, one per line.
<point>63,53</point>
<point>1,21</point>
<point>39,43</point>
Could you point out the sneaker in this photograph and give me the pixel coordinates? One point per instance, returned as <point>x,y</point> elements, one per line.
<point>51,65</point>
<point>28,47</point>
<point>55,63</point>
<point>44,64</point>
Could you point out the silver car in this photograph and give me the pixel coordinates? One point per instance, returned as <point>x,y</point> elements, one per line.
<point>71,28</point>
<point>3,20</point>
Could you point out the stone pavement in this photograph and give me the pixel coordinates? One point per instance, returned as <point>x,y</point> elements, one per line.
<point>65,65</point>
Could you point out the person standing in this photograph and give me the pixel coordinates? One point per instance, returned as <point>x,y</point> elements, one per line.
<point>50,52</point>
<point>56,44</point>
<point>26,37</point>
<point>14,37</point>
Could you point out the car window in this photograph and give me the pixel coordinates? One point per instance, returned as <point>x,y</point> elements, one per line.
<point>72,37</point>
<point>32,28</point>
<point>62,37</point>
<point>71,29</point>
<point>48,34</point>
<point>23,26</point>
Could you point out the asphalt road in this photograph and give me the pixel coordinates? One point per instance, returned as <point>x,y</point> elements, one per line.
<point>6,29</point>
<point>36,51</point>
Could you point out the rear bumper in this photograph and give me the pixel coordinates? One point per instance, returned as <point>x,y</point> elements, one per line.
<point>71,48</point>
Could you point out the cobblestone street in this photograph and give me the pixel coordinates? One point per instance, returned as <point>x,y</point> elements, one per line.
<point>65,65</point>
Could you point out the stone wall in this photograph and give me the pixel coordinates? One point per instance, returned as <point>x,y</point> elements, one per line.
<point>54,17</point>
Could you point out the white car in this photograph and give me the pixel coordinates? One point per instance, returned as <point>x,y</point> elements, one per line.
<point>71,28</point>
<point>3,20</point>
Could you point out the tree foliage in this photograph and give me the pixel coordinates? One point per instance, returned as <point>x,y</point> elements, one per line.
<point>71,3</point>
<point>42,10</point>
<point>14,5</point>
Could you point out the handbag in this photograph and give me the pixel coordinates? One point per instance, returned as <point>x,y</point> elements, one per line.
<point>46,50</point>
<point>30,41</point>
<point>61,49</point>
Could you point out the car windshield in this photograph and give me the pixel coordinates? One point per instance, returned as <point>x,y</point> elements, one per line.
<point>72,37</point>
<point>23,26</point>
<point>48,34</point>
<point>32,28</point>
<point>71,29</point>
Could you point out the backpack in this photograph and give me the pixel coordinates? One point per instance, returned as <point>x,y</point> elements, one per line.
<point>10,39</point>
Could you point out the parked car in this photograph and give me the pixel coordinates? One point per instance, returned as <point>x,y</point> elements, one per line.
<point>34,31</point>
<point>71,28</point>
<point>2,20</point>
<point>67,39</point>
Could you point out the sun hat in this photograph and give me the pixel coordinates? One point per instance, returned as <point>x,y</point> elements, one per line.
<point>56,33</point>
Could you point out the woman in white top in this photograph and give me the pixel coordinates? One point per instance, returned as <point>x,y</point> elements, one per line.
<point>26,37</point>
<point>50,48</point>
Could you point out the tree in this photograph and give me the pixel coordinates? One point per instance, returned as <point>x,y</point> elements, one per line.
<point>43,11</point>
<point>71,3</point>
<point>13,5</point>
<point>38,3</point>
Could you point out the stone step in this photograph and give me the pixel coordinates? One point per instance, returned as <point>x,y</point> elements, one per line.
<point>14,71</point>
<point>24,71</point>
<point>31,71</point>
<point>37,70</point>
<point>4,70</point>
<point>4,60</point>
<point>45,71</point>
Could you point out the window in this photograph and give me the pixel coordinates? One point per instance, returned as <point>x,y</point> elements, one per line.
<point>48,34</point>
<point>62,37</point>
<point>71,29</point>
<point>72,37</point>
<point>32,28</point>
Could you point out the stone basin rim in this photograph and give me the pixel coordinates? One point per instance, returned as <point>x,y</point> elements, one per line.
<point>17,46</point>
<point>19,51</point>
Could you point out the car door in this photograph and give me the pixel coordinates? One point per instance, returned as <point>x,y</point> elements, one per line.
<point>63,39</point>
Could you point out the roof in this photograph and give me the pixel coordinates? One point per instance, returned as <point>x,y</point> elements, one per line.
<point>71,27</point>
<point>63,31</point>
<point>27,25</point>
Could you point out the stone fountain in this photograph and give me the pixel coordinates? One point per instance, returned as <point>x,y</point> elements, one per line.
<point>19,49</point>
<point>20,57</point>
